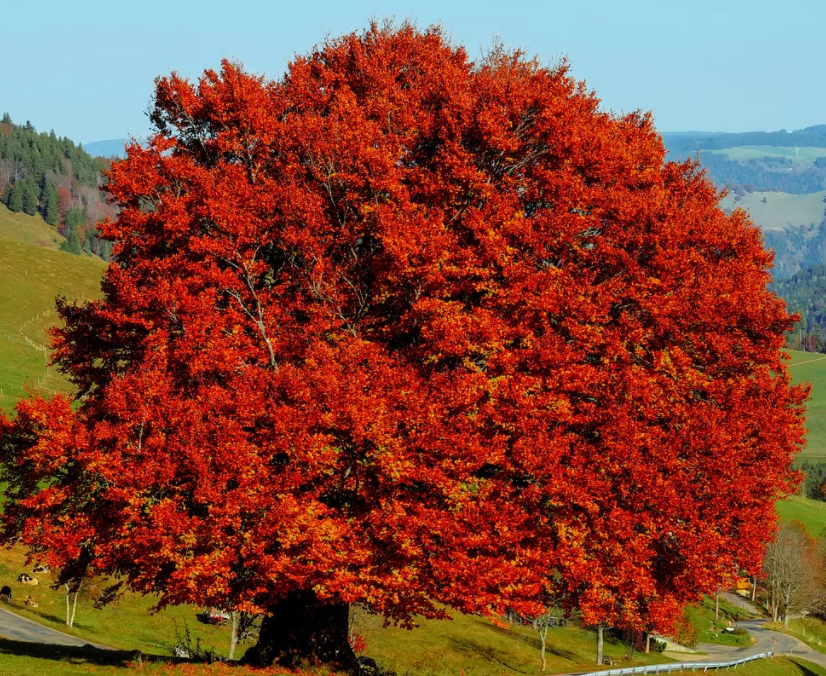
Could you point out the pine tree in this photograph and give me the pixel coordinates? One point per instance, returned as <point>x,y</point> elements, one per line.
<point>72,243</point>
<point>15,202</point>
<point>48,204</point>
<point>6,118</point>
<point>30,197</point>
<point>74,219</point>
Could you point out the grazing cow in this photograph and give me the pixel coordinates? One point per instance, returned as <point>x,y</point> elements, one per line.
<point>5,594</point>
<point>41,569</point>
<point>27,579</point>
<point>31,602</point>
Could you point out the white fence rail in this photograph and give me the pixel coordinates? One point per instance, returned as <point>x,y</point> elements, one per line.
<point>671,667</point>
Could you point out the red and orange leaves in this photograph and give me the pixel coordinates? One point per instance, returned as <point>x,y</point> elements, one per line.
<point>406,329</point>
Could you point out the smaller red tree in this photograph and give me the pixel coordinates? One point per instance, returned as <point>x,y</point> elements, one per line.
<point>64,202</point>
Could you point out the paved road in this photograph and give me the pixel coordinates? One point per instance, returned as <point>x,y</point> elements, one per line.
<point>765,640</point>
<point>741,602</point>
<point>19,628</point>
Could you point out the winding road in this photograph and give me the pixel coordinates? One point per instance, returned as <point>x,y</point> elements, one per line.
<point>18,628</point>
<point>764,641</point>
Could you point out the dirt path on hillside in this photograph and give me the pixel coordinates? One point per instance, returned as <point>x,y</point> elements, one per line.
<point>808,361</point>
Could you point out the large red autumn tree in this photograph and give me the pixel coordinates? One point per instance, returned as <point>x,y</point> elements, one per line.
<point>401,329</point>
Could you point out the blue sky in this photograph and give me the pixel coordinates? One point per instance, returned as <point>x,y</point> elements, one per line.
<point>85,68</point>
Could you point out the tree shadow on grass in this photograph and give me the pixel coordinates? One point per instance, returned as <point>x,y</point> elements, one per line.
<point>55,619</point>
<point>532,641</point>
<point>80,654</point>
<point>803,670</point>
<point>485,652</point>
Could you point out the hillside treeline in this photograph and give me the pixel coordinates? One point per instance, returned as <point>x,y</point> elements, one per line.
<point>805,294</point>
<point>50,175</point>
<point>766,173</point>
<point>796,248</point>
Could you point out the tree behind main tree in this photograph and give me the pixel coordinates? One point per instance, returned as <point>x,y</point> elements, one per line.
<point>404,330</point>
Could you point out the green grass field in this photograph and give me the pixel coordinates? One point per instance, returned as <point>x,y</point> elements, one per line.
<point>810,367</point>
<point>34,230</point>
<point>30,279</point>
<point>812,513</point>
<point>779,666</point>
<point>805,155</point>
<point>810,630</point>
<point>781,209</point>
<point>712,630</point>
<point>126,624</point>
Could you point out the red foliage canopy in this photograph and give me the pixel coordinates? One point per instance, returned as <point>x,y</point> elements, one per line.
<point>400,328</point>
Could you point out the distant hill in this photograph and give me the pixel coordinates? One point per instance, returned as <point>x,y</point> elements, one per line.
<point>774,210</point>
<point>688,142</point>
<point>112,148</point>
<point>50,177</point>
<point>792,162</point>
<point>779,177</point>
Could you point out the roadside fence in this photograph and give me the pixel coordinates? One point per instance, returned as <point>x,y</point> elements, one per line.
<point>680,666</point>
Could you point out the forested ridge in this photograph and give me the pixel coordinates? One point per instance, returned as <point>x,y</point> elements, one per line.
<point>765,173</point>
<point>688,142</point>
<point>51,175</point>
<point>805,294</point>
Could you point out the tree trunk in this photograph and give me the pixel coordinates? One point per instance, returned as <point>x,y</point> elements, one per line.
<point>542,652</point>
<point>647,642</point>
<point>233,641</point>
<point>301,628</point>
<point>600,644</point>
<point>74,603</point>
<point>717,606</point>
<point>753,589</point>
<point>67,605</point>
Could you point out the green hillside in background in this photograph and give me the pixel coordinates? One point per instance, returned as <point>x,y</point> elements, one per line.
<point>777,210</point>
<point>812,513</point>
<point>21,227</point>
<point>31,277</point>
<point>811,367</point>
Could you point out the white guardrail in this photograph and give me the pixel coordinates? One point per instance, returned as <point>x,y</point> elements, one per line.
<point>671,667</point>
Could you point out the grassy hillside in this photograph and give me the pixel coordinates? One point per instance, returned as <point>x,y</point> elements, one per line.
<point>810,630</point>
<point>480,648</point>
<point>711,630</point>
<point>780,209</point>
<point>126,624</point>
<point>811,367</point>
<point>781,666</point>
<point>30,279</point>
<point>466,643</point>
<point>811,512</point>
<point>21,227</point>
